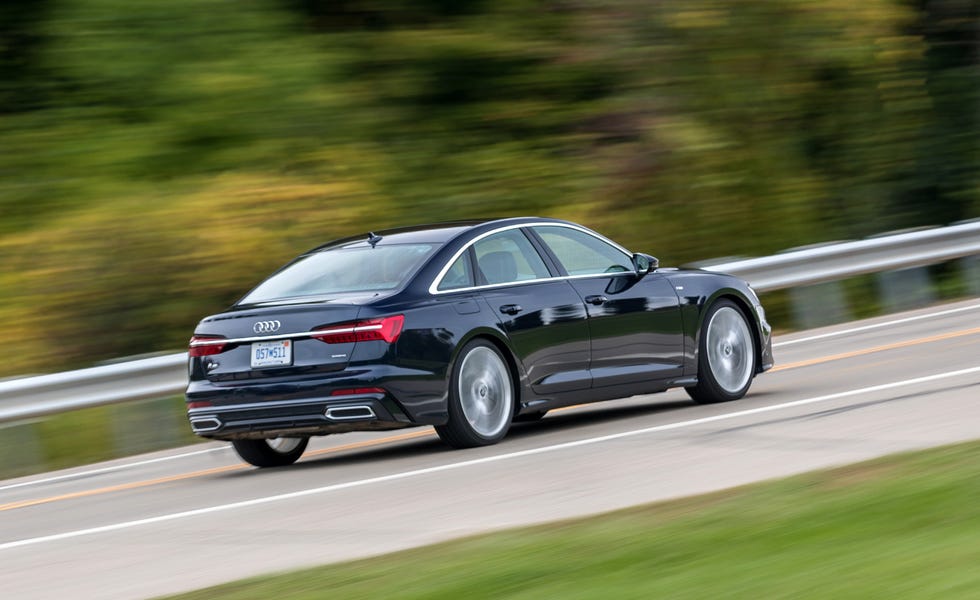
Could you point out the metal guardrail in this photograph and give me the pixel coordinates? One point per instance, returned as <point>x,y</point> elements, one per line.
<point>847,259</point>
<point>142,379</point>
<point>161,376</point>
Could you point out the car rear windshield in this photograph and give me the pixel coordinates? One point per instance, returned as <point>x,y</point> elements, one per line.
<point>345,269</point>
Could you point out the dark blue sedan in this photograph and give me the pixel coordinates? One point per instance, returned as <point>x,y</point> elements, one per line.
<point>467,327</point>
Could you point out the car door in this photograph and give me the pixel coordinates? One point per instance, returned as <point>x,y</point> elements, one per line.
<point>634,321</point>
<point>542,315</point>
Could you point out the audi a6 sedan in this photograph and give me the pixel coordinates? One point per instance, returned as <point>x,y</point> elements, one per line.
<point>467,327</point>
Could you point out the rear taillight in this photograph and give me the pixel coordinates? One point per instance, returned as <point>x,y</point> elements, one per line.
<point>206,345</point>
<point>386,329</point>
<point>357,391</point>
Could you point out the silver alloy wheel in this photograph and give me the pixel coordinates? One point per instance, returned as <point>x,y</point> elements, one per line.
<point>284,445</point>
<point>730,349</point>
<point>485,393</point>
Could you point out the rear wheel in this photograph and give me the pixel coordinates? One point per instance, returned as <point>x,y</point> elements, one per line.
<point>726,356</point>
<point>274,452</point>
<point>481,398</point>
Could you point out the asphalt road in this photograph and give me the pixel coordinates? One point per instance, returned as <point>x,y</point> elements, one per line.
<point>195,516</point>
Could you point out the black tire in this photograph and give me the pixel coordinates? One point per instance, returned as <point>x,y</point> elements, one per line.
<point>277,452</point>
<point>726,355</point>
<point>481,397</point>
<point>533,417</point>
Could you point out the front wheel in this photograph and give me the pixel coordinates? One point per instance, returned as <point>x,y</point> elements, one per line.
<point>275,452</point>
<point>481,398</point>
<point>726,355</point>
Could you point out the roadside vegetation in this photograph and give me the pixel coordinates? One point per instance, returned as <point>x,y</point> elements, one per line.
<point>158,158</point>
<point>905,526</point>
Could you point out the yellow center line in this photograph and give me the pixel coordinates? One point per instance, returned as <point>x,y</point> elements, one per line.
<point>237,467</point>
<point>429,432</point>
<point>117,488</point>
<point>894,346</point>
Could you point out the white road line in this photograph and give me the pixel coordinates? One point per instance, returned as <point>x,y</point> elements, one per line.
<point>875,326</point>
<point>477,461</point>
<point>110,469</point>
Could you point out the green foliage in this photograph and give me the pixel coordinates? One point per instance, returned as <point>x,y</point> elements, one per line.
<point>157,158</point>
<point>904,526</point>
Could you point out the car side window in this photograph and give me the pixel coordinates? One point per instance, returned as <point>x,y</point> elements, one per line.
<point>459,275</point>
<point>508,256</point>
<point>583,254</point>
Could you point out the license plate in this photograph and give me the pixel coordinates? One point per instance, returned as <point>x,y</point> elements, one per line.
<point>272,354</point>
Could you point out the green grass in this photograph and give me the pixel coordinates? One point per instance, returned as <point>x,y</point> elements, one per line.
<point>906,526</point>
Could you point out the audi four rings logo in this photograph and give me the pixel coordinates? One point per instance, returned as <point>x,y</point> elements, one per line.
<point>266,326</point>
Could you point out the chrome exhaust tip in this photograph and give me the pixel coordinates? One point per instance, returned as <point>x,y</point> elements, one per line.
<point>205,424</point>
<point>349,413</point>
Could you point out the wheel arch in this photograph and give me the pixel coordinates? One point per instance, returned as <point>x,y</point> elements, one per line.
<point>745,307</point>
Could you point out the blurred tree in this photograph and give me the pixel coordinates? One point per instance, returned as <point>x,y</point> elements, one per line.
<point>20,40</point>
<point>375,15</point>
<point>944,184</point>
<point>157,158</point>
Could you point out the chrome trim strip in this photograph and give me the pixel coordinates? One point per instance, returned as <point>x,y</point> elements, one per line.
<point>449,263</point>
<point>334,330</point>
<point>591,275</point>
<point>529,281</point>
<point>285,336</point>
<point>211,410</point>
<point>433,288</point>
<point>246,340</point>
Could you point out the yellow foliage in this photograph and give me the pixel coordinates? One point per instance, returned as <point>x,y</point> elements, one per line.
<point>88,277</point>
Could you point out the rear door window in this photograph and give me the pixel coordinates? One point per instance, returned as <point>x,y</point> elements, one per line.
<point>459,275</point>
<point>507,257</point>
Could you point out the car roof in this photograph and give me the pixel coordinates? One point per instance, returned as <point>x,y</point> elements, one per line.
<point>432,233</point>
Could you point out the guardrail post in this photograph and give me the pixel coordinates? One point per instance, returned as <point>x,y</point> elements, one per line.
<point>819,305</point>
<point>20,449</point>
<point>145,426</point>
<point>905,289</point>
<point>970,267</point>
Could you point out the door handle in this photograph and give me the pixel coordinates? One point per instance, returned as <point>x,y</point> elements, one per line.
<point>596,299</point>
<point>511,309</point>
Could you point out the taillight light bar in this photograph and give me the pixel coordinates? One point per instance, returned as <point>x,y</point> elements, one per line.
<point>357,391</point>
<point>386,329</point>
<point>206,345</point>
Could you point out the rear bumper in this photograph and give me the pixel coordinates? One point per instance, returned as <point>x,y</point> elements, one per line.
<point>313,416</point>
<point>360,398</point>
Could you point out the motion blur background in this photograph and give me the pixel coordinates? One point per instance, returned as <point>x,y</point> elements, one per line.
<point>158,158</point>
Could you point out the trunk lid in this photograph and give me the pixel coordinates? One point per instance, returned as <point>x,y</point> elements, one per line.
<point>272,341</point>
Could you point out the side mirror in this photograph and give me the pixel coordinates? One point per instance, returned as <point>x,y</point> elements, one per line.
<point>644,263</point>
